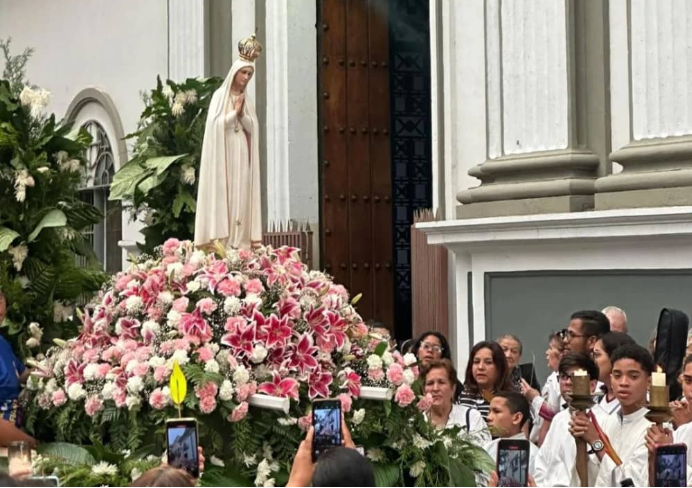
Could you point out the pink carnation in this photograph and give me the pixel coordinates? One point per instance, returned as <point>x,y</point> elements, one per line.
<point>229,287</point>
<point>141,369</point>
<point>169,260</point>
<point>346,402</point>
<point>170,246</point>
<point>305,422</point>
<point>93,405</point>
<point>181,344</point>
<point>239,412</point>
<point>158,399</point>
<point>167,347</point>
<point>245,391</point>
<point>127,357</point>
<point>233,323</point>
<point>207,390</point>
<point>245,254</point>
<point>122,282</point>
<point>143,353</point>
<point>404,395</point>
<point>119,396</point>
<point>180,304</point>
<point>205,354</point>
<point>154,313</point>
<point>207,404</point>
<point>161,373</point>
<point>90,355</point>
<point>425,403</point>
<point>361,330</point>
<point>102,370</point>
<point>254,286</point>
<point>128,345</point>
<point>59,398</point>
<point>206,305</point>
<point>376,374</point>
<point>395,373</point>
<point>111,354</point>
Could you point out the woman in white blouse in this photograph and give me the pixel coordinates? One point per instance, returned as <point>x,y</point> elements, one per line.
<point>439,381</point>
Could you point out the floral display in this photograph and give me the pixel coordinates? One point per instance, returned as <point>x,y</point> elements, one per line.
<point>239,323</point>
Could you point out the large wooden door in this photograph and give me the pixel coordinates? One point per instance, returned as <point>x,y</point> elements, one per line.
<point>356,179</point>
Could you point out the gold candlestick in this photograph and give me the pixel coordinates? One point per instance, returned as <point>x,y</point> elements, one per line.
<point>581,399</point>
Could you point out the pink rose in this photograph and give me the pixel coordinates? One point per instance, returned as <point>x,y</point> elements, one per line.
<point>93,405</point>
<point>158,399</point>
<point>239,412</point>
<point>254,286</point>
<point>161,373</point>
<point>305,422</point>
<point>425,403</point>
<point>207,404</point>
<point>170,246</point>
<point>205,354</point>
<point>404,395</point>
<point>229,287</point>
<point>102,370</point>
<point>206,305</point>
<point>122,281</point>
<point>59,398</point>
<point>245,391</point>
<point>346,402</point>
<point>208,389</point>
<point>376,374</point>
<point>395,373</point>
<point>180,304</point>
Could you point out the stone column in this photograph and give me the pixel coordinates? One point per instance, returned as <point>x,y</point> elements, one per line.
<point>546,108</point>
<point>651,105</point>
<point>187,39</point>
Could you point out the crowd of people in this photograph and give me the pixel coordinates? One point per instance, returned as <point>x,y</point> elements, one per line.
<point>498,398</point>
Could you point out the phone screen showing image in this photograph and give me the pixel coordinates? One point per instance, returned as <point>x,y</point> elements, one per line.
<point>181,441</point>
<point>671,465</point>
<point>513,462</point>
<point>326,420</point>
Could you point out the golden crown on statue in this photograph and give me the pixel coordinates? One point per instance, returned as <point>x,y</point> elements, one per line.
<point>249,48</point>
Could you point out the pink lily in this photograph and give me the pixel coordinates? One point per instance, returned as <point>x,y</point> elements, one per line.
<point>74,372</point>
<point>194,325</point>
<point>301,355</point>
<point>278,331</point>
<point>242,341</point>
<point>351,380</point>
<point>287,387</point>
<point>318,384</point>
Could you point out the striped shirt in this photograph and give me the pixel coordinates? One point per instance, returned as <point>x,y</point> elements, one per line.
<point>476,401</point>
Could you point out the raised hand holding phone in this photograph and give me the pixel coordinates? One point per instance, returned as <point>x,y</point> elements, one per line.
<point>327,424</point>
<point>513,462</point>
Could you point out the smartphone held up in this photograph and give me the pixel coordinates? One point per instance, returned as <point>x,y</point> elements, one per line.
<point>513,462</point>
<point>326,421</point>
<point>671,465</point>
<point>182,442</point>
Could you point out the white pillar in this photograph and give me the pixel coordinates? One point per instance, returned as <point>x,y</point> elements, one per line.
<point>186,39</point>
<point>243,25</point>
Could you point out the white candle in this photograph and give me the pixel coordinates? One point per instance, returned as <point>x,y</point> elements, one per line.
<point>658,378</point>
<point>580,372</point>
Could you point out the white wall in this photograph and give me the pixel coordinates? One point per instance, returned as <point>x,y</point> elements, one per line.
<point>117,46</point>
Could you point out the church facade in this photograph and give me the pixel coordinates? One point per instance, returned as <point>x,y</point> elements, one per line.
<point>552,137</point>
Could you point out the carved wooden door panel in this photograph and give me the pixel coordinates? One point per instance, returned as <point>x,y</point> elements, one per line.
<point>356,182</point>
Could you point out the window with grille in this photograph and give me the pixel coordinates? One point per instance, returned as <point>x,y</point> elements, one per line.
<point>104,236</point>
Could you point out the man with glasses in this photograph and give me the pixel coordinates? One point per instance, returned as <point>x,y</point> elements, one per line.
<point>584,330</point>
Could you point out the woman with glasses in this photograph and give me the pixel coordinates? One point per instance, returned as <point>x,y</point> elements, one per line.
<point>486,373</point>
<point>601,354</point>
<point>433,346</point>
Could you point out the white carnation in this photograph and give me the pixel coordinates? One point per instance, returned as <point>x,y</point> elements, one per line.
<point>166,297</point>
<point>286,421</point>
<point>211,366</point>
<point>134,304</point>
<point>263,472</point>
<point>387,358</point>
<point>151,326</point>
<point>409,377</point>
<point>51,386</point>
<point>187,175</point>
<point>193,286</point>
<point>26,96</point>
<point>43,169</point>
<point>374,361</point>
<point>180,356</point>
<point>104,469</point>
<point>253,298</point>
<point>35,330</point>
<point>32,343</point>
<point>90,371</point>
<point>132,401</point>
<point>173,318</point>
<point>241,375</point>
<point>258,354</point>
<point>177,109</point>
<point>135,384</point>
<point>270,483</point>
<point>358,416</point>
<point>76,391</point>
<point>410,358</point>
<point>417,469</point>
<point>231,305</point>
<point>198,259</point>
<point>156,361</point>
<point>107,390</point>
<point>175,270</point>
<point>226,390</point>
<point>19,254</point>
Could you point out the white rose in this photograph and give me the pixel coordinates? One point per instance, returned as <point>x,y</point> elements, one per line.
<point>241,375</point>
<point>166,297</point>
<point>76,391</point>
<point>258,354</point>
<point>211,366</point>
<point>90,371</point>
<point>132,401</point>
<point>135,384</point>
<point>173,318</point>
<point>226,390</point>
<point>193,286</point>
<point>409,377</point>
<point>387,358</point>
<point>358,416</point>
<point>374,361</point>
<point>409,359</point>
<point>134,304</point>
<point>231,305</point>
<point>107,390</point>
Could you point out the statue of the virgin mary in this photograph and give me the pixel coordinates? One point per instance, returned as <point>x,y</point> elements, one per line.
<point>229,207</point>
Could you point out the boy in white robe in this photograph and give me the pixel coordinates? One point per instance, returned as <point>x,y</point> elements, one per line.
<point>627,429</point>
<point>555,463</point>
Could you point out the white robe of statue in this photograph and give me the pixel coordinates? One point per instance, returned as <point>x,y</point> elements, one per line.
<point>229,207</point>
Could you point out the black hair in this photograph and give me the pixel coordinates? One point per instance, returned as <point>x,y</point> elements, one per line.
<point>514,338</point>
<point>580,361</point>
<point>341,466</point>
<point>503,380</point>
<point>517,403</point>
<point>593,322</point>
<point>636,353</point>
<point>613,340</point>
<point>446,352</point>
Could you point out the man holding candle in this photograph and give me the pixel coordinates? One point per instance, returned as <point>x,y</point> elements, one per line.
<point>626,430</point>
<point>556,459</point>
